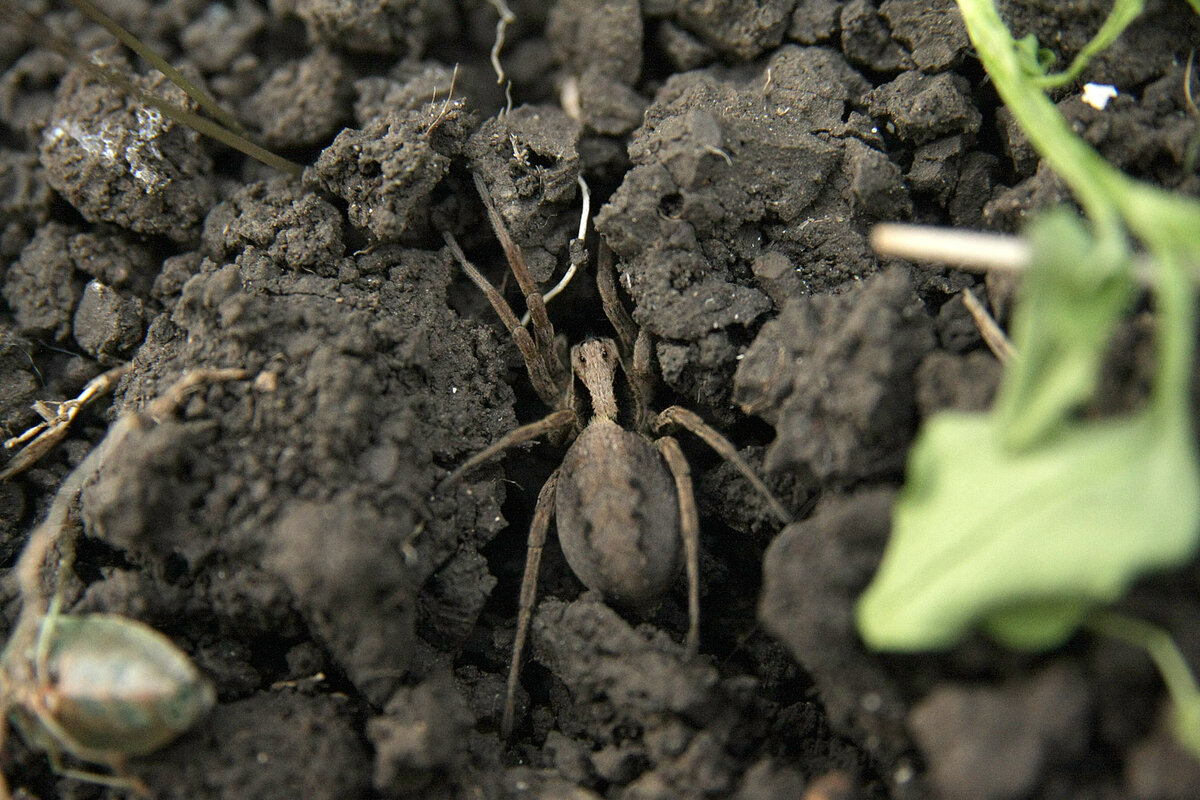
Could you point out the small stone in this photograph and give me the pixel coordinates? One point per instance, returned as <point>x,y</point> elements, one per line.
<point>1159,768</point>
<point>922,107</point>
<point>107,324</point>
<point>994,743</point>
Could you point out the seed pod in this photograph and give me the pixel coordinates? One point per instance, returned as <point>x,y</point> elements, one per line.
<point>112,688</point>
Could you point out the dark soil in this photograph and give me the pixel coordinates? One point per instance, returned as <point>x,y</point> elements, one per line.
<point>289,531</point>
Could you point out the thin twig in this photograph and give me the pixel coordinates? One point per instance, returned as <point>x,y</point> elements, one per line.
<point>36,30</point>
<point>446,103</point>
<point>42,438</point>
<point>975,251</point>
<point>1193,143</point>
<point>993,335</point>
<point>202,98</point>
<point>970,250</point>
<point>1187,86</point>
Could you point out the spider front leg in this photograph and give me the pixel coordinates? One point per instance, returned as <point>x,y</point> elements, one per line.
<point>543,329</point>
<point>633,343</point>
<point>558,421</point>
<point>539,362</point>
<point>622,323</point>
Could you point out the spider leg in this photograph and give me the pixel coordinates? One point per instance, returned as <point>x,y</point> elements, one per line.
<point>542,513</point>
<point>543,329</point>
<point>689,529</point>
<point>678,415</point>
<point>633,344</point>
<point>543,378</point>
<point>642,379</point>
<point>556,421</point>
<point>622,323</point>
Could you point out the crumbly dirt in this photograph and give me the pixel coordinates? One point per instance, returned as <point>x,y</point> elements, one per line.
<point>291,531</point>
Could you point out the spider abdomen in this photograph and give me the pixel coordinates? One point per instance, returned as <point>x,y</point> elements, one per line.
<point>618,518</point>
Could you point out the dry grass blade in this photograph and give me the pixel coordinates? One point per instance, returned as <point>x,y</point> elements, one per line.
<point>993,335</point>
<point>33,27</point>
<point>41,438</point>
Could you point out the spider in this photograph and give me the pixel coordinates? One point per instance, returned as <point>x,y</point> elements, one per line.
<point>623,498</point>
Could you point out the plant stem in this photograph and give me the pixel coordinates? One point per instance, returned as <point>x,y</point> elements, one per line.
<point>1181,683</point>
<point>1092,179</point>
<point>1123,12</point>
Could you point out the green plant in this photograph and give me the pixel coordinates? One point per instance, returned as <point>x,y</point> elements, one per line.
<point>1028,521</point>
<point>1123,12</point>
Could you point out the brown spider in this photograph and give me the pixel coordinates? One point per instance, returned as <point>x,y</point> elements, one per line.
<point>623,498</point>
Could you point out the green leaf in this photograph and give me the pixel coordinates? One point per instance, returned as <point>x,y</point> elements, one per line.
<point>1034,625</point>
<point>1027,540</point>
<point>1035,59</point>
<point>1046,516</point>
<point>1071,300</point>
